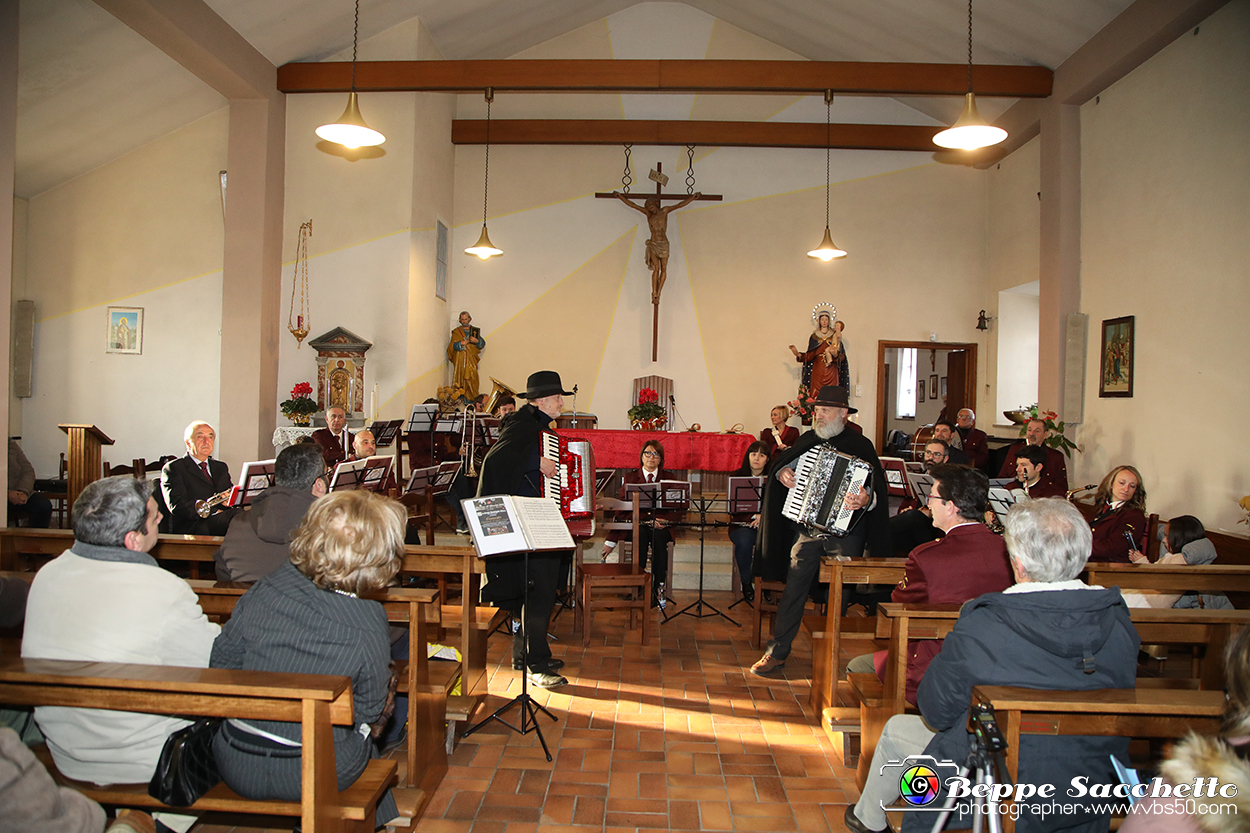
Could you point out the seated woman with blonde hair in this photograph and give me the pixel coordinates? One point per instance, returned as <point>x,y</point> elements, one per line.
<point>309,617</point>
<point>1119,522</point>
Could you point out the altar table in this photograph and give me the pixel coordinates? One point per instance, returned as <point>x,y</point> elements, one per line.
<point>694,451</point>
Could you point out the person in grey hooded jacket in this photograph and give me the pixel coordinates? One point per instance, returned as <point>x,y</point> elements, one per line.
<point>1047,631</point>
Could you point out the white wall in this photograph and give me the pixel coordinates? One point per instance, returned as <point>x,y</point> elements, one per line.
<point>1017,329</point>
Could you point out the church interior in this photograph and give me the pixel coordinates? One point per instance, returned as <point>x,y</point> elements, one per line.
<point>163,159</point>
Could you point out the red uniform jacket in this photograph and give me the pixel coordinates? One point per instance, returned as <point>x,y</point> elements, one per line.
<point>970,561</point>
<point>976,446</point>
<point>1041,488</point>
<point>332,451</point>
<point>1109,527</point>
<point>1054,470</point>
<point>789,436</point>
<point>636,476</point>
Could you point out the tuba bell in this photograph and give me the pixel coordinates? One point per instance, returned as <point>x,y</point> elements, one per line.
<point>498,390</point>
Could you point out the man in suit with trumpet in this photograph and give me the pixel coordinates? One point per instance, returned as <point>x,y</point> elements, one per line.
<point>197,477</point>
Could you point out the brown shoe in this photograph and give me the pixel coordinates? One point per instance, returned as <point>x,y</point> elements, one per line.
<point>768,665</point>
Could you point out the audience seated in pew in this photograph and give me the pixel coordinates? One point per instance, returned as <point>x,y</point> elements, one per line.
<point>1223,757</point>
<point>1119,521</point>
<point>306,617</point>
<point>23,499</point>
<point>966,563</point>
<point>1047,631</point>
<point>107,600</point>
<point>1185,541</point>
<point>258,540</point>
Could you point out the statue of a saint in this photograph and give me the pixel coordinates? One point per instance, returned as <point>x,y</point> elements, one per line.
<point>464,350</point>
<point>824,362</point>
<point>657,244</point>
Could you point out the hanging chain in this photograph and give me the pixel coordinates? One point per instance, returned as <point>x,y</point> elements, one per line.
<point>490,96</point>
<point>689,169</point>
<point>355,38</point>
<point>969,45</point>
<point>299,326</point>
<point>627,179</point>
<point>828,107</point>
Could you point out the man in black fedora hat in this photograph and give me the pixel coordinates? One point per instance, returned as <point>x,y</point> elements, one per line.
<point>786,550</point>
<point>515,466</point>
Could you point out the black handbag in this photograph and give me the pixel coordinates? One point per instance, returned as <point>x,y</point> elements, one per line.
<point>187,768</point>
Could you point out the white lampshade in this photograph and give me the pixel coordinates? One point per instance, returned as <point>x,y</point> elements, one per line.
<point>826,251</point>
<point>350,130</point>
<point>970,131</point>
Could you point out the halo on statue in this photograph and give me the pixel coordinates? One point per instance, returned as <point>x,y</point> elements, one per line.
<point>828,309</point>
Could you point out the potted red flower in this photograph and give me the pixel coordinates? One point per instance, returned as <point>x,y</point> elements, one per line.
<point>648,414</point>
<point>300,407</point>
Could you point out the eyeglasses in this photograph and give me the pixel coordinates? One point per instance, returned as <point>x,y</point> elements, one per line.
<point>650,453</point>
<point>932,497</point>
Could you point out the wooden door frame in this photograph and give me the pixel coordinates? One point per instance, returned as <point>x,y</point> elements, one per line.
<point>970,380</point>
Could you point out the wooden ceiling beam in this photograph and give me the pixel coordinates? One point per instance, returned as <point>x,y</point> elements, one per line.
<point>700,133</point>
<point>668,76</point>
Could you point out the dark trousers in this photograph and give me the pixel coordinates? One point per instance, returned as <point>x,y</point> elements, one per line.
<point>37,508</point>
<point>655,542</point>
<point>544,582</point>
<point>804,572</point>
<point>743,538</point>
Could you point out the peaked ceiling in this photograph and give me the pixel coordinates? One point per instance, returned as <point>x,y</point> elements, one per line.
<point>91,90</point>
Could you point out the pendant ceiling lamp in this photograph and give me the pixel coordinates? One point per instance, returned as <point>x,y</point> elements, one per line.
<point>350,130</point>
<point>970,131</point>
<point>483,248</point>
<point>827,251</point>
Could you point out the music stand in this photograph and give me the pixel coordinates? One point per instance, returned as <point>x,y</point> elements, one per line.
<point>746,496</point>
<point>422,420</point>
<point>255,478</point>
<point>1002,482</point>
<point>369,474</point>
<point>673,495</point>
<point>384,432</point>
<point>527,705</point>
<point>376,473</point>
<point>702,505</point>
<point>921,485</point>
<point>1001,500</point>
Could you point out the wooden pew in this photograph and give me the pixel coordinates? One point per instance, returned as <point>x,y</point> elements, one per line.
<point>903,622</point>
<point>1134,713</point>
<point>1174,578</point>
<point>316,702</point>
<point>427,707</point>
<point>26,549</point>
<point>838,574</point>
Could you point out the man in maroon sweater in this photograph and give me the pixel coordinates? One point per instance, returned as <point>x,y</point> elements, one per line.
<point>968,562</point>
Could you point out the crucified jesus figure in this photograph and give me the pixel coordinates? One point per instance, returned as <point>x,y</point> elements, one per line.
<point>657,244</point>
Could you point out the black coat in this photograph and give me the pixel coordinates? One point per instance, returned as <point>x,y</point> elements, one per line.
<point>511,468</point>
<point>183,483</point>
<point>1072,640</point>
<point>777,533</point>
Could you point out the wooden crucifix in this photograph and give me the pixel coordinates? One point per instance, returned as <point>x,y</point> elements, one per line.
<point>657,244</point>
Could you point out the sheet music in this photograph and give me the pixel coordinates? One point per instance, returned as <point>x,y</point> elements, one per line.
<point>544,523</point>
<point>744,494</point>
<point>422,417</point>
<point>495,530</point>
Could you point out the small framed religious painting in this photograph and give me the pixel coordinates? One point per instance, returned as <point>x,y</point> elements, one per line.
<point>920,391</point>
<point>943,387</point>
<point>933,386</point>
<point>1116,376</point>
<point>125,330</point>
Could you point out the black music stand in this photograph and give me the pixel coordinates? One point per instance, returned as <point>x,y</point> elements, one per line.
<point>385,431</point>
<point>702,505</point>
<point>255,478</point>
<point>527,705</point>
<point>746,495</point>
<point>653,496</point>
<point>369,473</point>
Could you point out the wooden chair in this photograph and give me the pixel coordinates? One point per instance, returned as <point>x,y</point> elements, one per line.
<point>135,469</point>
<point>763,608</point>
<point>625,585</point>
<point>421,511</point>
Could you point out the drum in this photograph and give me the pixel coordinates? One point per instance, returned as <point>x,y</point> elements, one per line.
<point>919,441</point>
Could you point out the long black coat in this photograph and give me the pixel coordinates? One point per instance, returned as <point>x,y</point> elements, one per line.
<point>511,468</point>
<point>777,533</point>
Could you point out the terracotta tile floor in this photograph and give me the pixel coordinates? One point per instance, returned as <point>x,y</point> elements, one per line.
<point>677,735</point>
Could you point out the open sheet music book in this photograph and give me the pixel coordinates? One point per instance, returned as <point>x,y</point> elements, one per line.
<point>666,494</point>
<point>255,478</point>
<point>369,473</point>
<point>503,524</point>
<point>745,494</point>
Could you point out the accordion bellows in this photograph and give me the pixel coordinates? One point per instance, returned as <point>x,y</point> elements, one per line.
<point>823,478</point>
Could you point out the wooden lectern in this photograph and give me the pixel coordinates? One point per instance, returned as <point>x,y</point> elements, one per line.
<point>83,459</point>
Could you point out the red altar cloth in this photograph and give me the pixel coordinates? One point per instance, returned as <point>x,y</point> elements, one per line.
<point>682,449</point>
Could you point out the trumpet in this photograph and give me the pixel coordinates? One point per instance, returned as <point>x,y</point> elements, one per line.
<point>204,508</point>
<point>1086,488</point>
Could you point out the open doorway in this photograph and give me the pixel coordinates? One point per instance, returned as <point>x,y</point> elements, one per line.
<point>948,372</point>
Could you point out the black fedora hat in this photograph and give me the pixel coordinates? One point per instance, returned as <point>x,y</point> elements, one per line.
<point>833,396</point>
<point>544,383</point>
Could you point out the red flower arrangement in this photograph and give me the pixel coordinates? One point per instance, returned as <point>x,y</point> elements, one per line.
<point>300,407</point>
<point>648,409</point>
